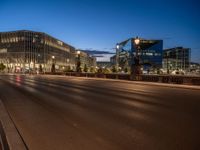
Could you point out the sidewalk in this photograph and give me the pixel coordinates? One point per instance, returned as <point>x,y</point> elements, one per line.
<point>9,135</point>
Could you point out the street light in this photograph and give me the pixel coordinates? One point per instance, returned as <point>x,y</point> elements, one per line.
<point>40,66</point>
<point>137,41</point>
<point>167,63</point>
<point>135,63</point>
<point>117,56</point>
<point>137,59</point>
<point>53,65</point>
<point>78,67</point>
<point>78,52</point>
<point>117,46</point>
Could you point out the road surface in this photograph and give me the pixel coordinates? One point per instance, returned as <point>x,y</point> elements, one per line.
<point>69,113</point>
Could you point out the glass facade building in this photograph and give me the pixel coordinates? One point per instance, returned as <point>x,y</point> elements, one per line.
<point>177,58</point>
<point>28,50</point>
<point>149,52</point>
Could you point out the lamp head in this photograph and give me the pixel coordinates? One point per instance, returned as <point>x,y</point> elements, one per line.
<point>137,41</point>
<point>117,46</point>
<point>78,52</point>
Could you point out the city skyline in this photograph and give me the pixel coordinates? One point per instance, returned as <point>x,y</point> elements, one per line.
<point>100,25</point>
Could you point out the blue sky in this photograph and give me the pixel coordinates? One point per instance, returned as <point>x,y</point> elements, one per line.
<point>101,24</point>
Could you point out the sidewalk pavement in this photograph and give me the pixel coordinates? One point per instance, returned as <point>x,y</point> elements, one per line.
<point>9,134</point>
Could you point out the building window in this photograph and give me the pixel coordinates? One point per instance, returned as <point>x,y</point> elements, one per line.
<point>4,50</point>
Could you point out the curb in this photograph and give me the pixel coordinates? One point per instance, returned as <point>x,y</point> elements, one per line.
<point>9,136</point>
<point>170,85</point>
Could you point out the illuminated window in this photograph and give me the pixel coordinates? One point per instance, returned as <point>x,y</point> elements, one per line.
<point>60,43</point>
<point>13,39</point>
<point>34,40</point>
<point>4,50</point>
<point>157,54</point>
<point>149,54</point>
<point>16,39</point>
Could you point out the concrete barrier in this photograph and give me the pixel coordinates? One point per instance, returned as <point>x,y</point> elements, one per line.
<point>189,80</point>
<point>9,136</point>
<point>173,79</point>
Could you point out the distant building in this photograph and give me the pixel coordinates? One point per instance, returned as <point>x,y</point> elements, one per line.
<point>113,60</point>
<point>102,58</point>
<point>86,59</point>
<point>177,58</point>
<point>150,54</point>
<point>195,68</point>
<point>27,50</point>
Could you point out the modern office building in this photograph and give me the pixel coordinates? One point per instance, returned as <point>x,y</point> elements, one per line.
<point>103,58</point>
<point>149,52</point>
<point>27,50</point>
<point>177,58</point>
<point>86,60</point>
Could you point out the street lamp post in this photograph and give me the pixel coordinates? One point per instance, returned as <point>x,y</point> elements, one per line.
<point>78,67</point>
<point>167,63</point>
<point>53,64</point>
<point>117,57</point>
<point>40,66</point>
<point>135,61</point>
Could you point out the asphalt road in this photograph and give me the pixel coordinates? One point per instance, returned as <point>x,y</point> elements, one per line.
<point>68,113</point>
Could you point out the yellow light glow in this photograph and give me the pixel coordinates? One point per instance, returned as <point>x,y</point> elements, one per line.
<point>137,41</point>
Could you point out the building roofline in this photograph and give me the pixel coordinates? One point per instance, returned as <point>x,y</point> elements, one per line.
<point>174,48</point>
<point>39,33</point>
<point>56,39</point>
<point>20,31</point>
<point>140,39</point>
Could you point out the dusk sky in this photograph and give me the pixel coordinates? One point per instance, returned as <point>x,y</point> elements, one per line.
<point>99,25</point>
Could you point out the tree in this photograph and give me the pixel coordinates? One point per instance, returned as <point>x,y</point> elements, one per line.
<point>106,70</point>
<point>92,69</point>
<point>2,66</point>
<point>67,69</point>
<point>53,69</point>
<point>126,70</point>
<point>40,69</point>
<point>100,70</point>
<point>114,70</point>
<point>85,68</point>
